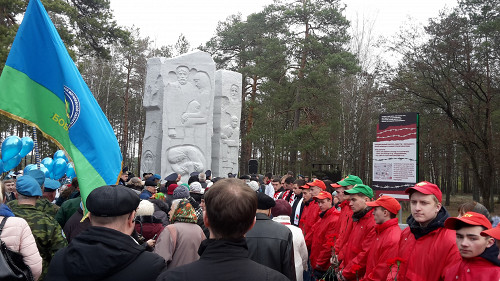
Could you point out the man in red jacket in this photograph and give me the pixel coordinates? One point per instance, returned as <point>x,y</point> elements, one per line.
<point>313,210</point>
<point>353,254</point>
<point>323,228</point>
<point>426,248</point>
<point>344,226</point>
<point>479,255</point>
<point>385,244</point>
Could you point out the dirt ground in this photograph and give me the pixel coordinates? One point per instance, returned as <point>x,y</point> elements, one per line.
<point>455,201</point>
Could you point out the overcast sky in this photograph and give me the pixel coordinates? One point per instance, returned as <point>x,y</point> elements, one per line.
<point>164,20</point>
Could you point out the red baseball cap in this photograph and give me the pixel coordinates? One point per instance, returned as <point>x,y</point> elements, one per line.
<point>494,232</point>
<point>387,202</point>
<point>305,186</point>
<point>335,185</point>
<point>323,195</point>
<point>471,218</point>
<point>426,187</point>
<point>318,183</point>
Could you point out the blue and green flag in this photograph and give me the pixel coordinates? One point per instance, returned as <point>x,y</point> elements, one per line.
<point>41,86</point>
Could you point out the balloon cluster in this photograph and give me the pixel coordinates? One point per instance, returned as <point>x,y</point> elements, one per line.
<point>56,167</point>
<point>14,149</point>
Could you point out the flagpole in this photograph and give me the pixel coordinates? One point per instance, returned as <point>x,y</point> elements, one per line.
<point>37,155</point>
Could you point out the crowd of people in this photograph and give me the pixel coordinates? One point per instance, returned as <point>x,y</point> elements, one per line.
<point>256,227</point>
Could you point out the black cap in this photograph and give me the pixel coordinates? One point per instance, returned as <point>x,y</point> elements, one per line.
<point>112,201</point>
<point>264,202</point>
<point>150,183</point>
<point>171,177</point>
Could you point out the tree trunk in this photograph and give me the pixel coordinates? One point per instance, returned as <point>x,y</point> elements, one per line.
<point>125,113</point>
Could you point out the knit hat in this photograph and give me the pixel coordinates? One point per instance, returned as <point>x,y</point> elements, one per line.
<point>282,208</point>
<point>171,188</point>
<point>254,186</point>
<point>145,208</point>
<point>195,187</point>
<point>181,192</point>
<point>184,212</point>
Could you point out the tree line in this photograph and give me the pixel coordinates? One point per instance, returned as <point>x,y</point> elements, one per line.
<point>314,85</point>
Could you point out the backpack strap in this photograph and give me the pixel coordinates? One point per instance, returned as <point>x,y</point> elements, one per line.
<point>2,224</point>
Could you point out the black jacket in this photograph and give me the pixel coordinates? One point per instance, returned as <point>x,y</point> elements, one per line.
<point>271,244</point>
<point>294,209</point>
<point>101,253</point>
<point>73,226</point>
<point>222,260</point>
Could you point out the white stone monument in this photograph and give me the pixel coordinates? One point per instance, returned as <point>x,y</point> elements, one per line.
<point>179,114</point>
<point>153,104</point>
<point>227,115</point>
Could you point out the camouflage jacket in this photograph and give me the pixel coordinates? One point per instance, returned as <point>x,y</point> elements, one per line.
<point>48,234</point>
<point>45,206</point>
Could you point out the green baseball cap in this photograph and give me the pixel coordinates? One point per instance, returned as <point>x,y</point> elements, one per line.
<point>361,188</point>
<point>350,180</point>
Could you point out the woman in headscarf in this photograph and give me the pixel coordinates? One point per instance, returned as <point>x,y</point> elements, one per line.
<point>178,243</point>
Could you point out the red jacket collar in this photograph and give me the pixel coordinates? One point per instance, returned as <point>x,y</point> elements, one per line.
<point>379,228</point>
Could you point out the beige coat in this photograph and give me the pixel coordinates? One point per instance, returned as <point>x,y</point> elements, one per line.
<point>178,243</point>
<point>16,234</point>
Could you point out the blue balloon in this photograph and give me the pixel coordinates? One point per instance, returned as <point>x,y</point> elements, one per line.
<point>60,154</point>
<point>27,146</point>
<point>29,168</point>
<point>1,166</point>
<point>70,172</point>
<point>11,163</point>
<point>11,147</point>
<point>44,170</point>
<point>48,163</point>
<point>59,168</point>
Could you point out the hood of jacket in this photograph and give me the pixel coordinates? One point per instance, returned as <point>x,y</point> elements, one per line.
<point>98,253</point>
<point>5,211</point>
<point>436,223</point>
<point>491,255</point>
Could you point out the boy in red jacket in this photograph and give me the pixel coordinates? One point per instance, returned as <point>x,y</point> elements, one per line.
<point>426,248</point>
<point>479,255</point>
<point>312,209</point>
<point>322,229</point>
<point>354,252</point>
<point>344,226</point>
<point>385,244</point>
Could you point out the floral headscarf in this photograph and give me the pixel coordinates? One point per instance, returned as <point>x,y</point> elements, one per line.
<point>159,196</point>
<point>184,213</point>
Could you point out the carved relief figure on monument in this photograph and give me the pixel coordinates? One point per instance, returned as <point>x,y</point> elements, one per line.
<point>178,94</point>
<point>148,161</point>
<point>235,93</point>
<point>202,82</point>
<point>182,73</point>
<point>193,115</point>
<point>230,138</point>
<point>186,159</point>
